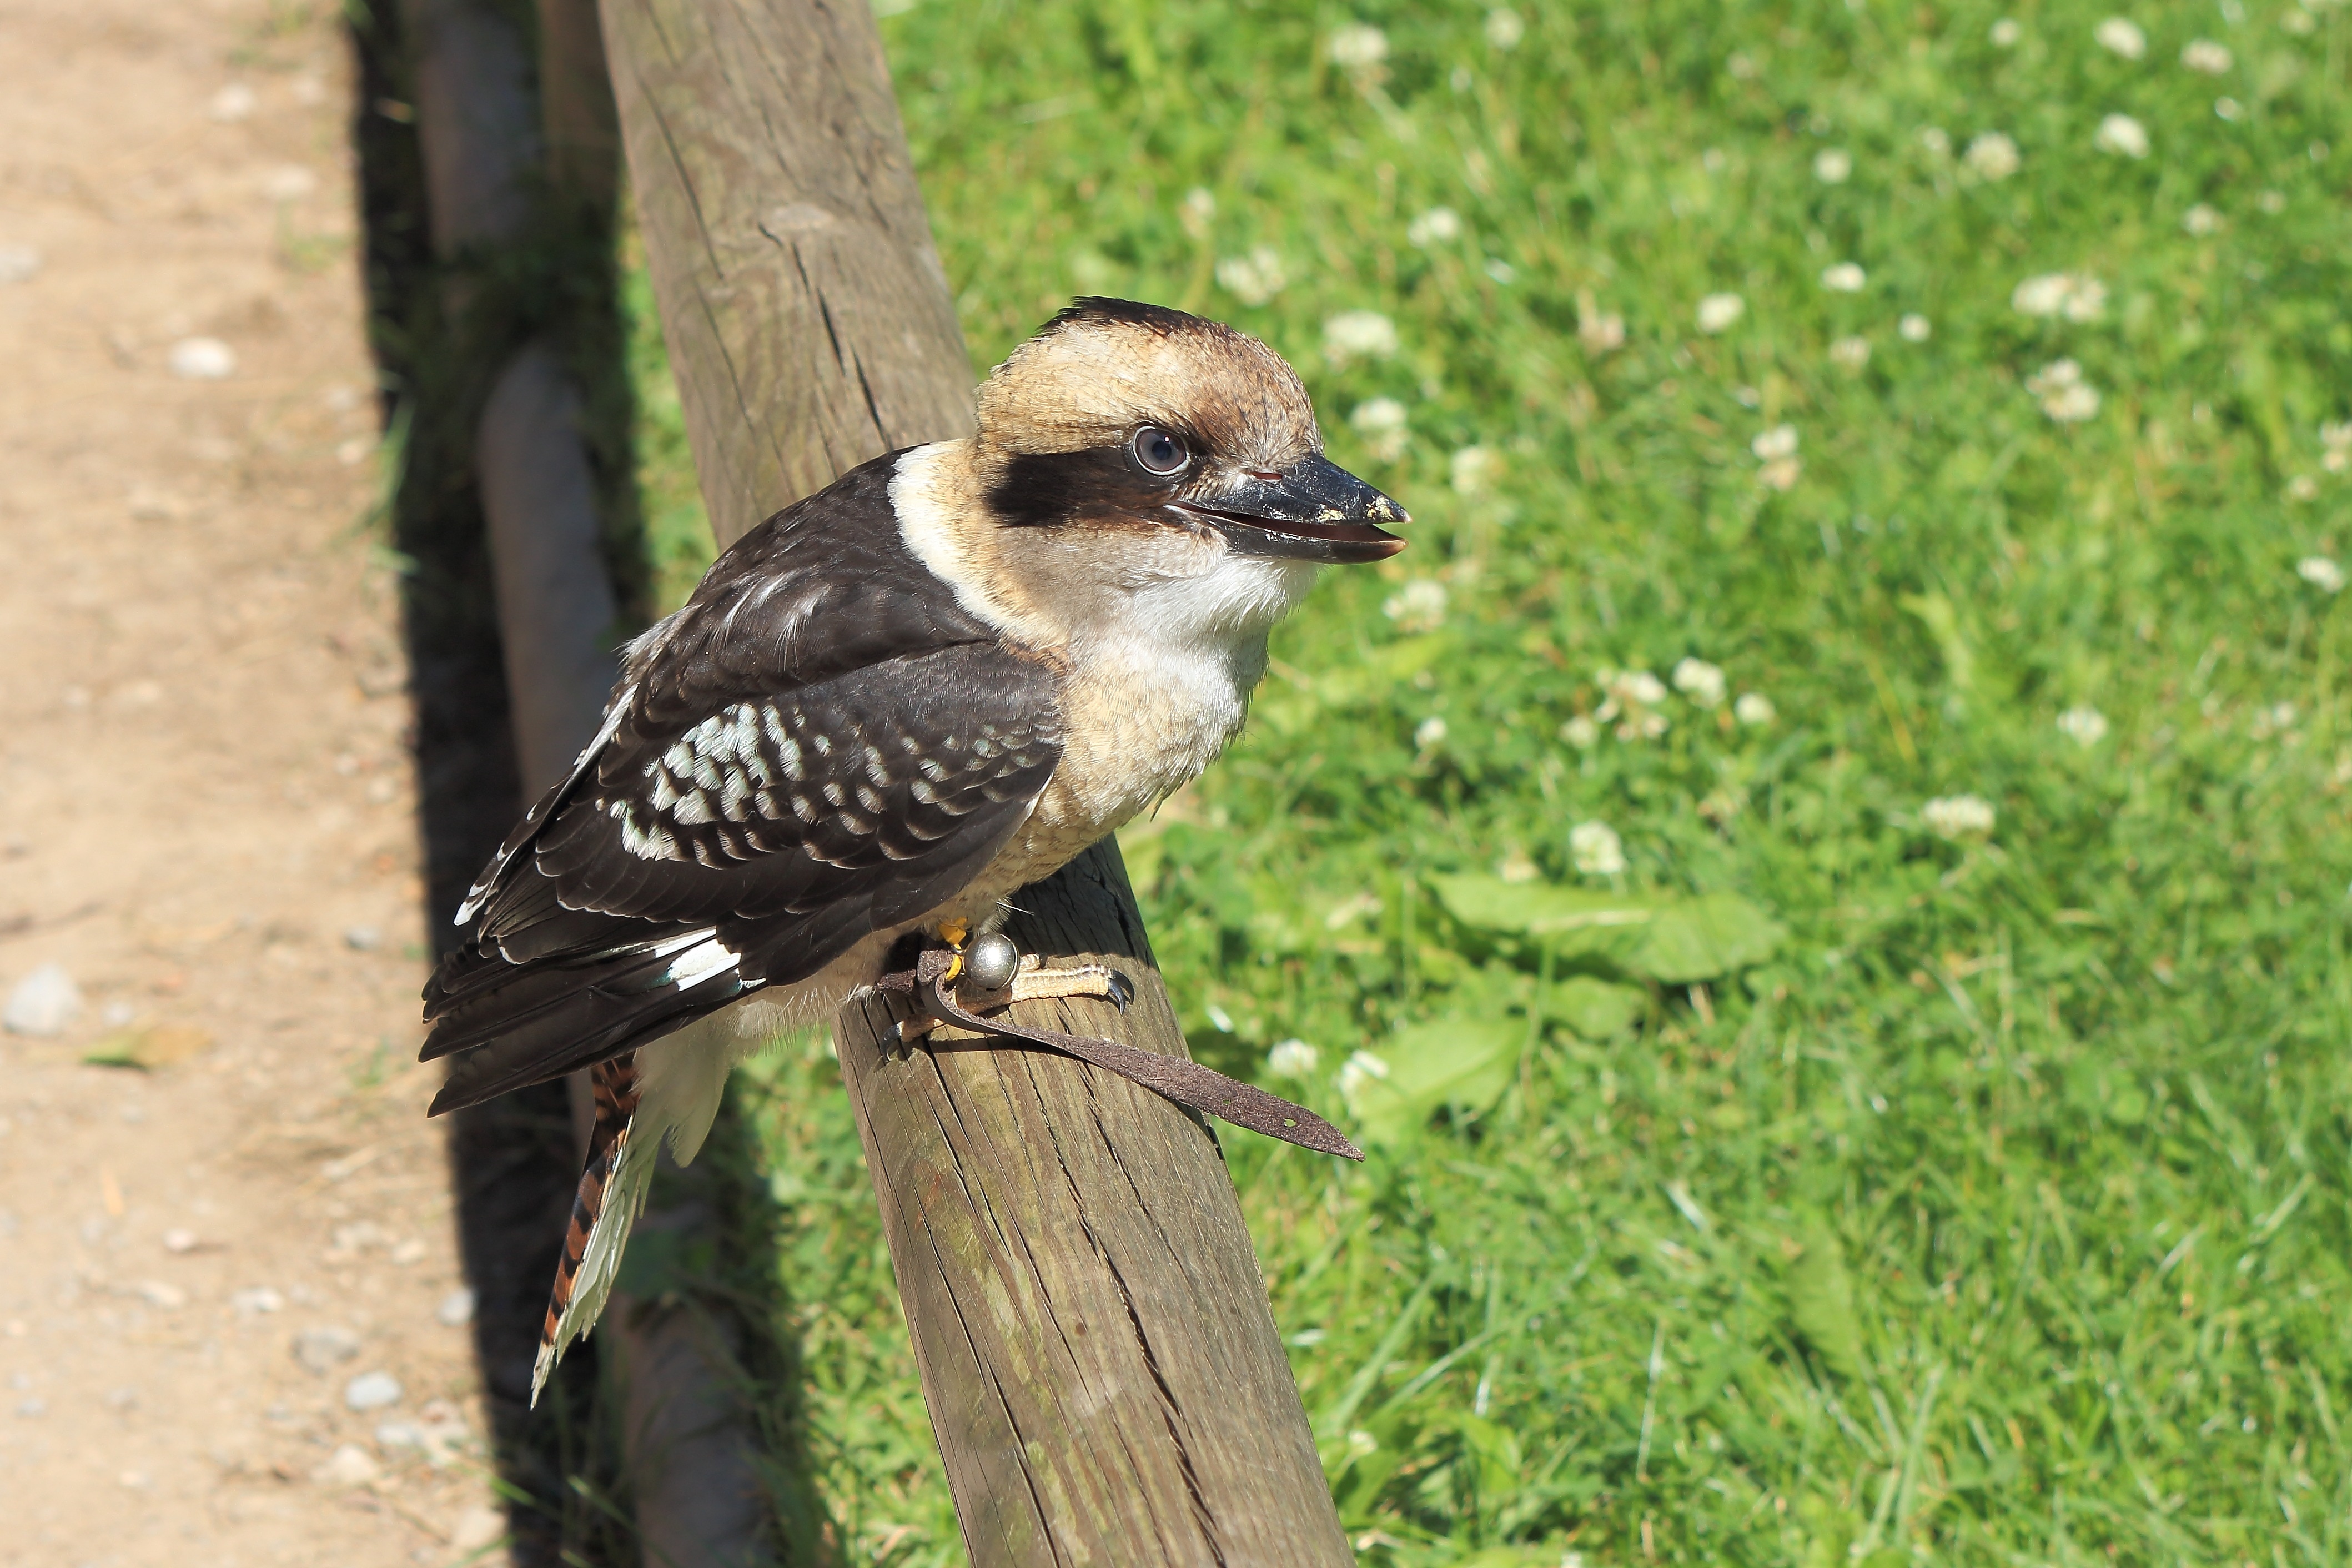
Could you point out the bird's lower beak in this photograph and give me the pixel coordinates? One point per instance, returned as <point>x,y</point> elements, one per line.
<point>1314,511</point>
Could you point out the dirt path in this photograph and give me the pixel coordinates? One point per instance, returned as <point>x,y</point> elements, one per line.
<point>206,820</point>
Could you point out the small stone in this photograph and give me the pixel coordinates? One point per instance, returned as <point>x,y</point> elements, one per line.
<point>32,1409</point>
<point>18,263</point>
<point>122,1398</point>
<point>149,504</point>
<point>362,938</point>
<point>349,1467</point>
<point>476,1529</point>
<point>371,1391</point>
<point>405,1253</point>
<point>157,1293</point>
<point>232,103</point>
<point>323,1349</point>
<point>180,1239</point>
<point>288,183</point>
<point>456,1308</point>
<point>44,1003</point>
<point>202,359</point>
<point>254,1302</point>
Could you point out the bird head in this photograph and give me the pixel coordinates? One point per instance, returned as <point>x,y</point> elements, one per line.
<point>1124,417</point>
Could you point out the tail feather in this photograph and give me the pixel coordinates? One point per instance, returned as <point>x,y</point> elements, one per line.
<point>612,1190</point>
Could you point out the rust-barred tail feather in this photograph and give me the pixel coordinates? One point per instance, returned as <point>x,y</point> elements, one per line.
<point>615,1087</point>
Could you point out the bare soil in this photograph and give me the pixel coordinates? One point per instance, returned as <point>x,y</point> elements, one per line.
<point>207,816</point>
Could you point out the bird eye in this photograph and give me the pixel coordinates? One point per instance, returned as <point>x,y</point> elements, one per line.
<point>1160,452</point>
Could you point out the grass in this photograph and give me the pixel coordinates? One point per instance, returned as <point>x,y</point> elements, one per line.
<point>1990,1205</point>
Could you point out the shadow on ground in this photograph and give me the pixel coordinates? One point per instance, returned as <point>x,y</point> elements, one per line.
<point>438,333</point>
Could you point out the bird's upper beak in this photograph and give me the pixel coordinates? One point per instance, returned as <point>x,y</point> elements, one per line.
<point>1313,511</point>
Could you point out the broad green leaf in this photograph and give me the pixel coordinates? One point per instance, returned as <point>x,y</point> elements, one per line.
<point>1593,1007</point>
<point>1675,939</point>
<point>1821,1301</point>
<point>1697,939</point>
<point>1538,908</point>
<point>1448,1062</point>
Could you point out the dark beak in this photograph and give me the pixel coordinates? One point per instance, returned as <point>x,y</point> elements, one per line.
<point>1314,511</point>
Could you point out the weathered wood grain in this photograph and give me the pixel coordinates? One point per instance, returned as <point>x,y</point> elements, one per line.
<point>807,313</point>
<point>1096,1346</point>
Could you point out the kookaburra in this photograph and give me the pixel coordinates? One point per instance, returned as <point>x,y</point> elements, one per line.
<point>884,711</point>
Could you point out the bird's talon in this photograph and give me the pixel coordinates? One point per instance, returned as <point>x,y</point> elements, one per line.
<point>1122,991</point>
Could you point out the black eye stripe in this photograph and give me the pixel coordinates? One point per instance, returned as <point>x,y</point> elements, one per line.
<point>1042,489</point>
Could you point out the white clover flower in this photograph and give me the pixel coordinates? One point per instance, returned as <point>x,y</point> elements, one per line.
<point>2335,434</point>
<point>1631,700</point>
<point>2272,202</point>
<point>2006,33</point>
<point>1505,30</point>
<point>2121,36</point>
<point>2044,294</point>
<point>2299,22</point>
<point>1844,277</point>
<point>1596,849</point>
<point>1833,165</point>
<point>1429,732</point>
<point>1254,278</point>
<point>2121,136</point>
<point>1914,328</point>
<point>1358,47</point>
<point>1958,815</point>
<point>1780,474</point>
<point>1515,867</point>
<point>1850,354</point>
<point>2228,108</point>
<point>1717,311</point>
<point>2206,55</point>
<point>2321,573</point>
<point>1418,606</point>
<point>1469,469</point>
<point>1754,709</point>
<point>1991,156</point>
<point>1435,226</point>
<point>1358,1070</point>
<point>2083,724</point>
<point>1292,1059</point>
<point>1380,421</point>
<point>1780,441</point>
<point>1580,732</point>
<point>2201,220</point>
<point>1199,206</point>
<point>1359,334</point>
<point>1933,138</point>
<point>1600,331</point>
<point>2076,296</point>
<point>2065,395</point>
<point>2274,719</point>
<point>1700,682</point>
<point>1637,686</point>
<point>2302,487</point>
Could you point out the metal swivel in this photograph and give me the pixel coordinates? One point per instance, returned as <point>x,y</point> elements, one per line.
<point>991,961</point>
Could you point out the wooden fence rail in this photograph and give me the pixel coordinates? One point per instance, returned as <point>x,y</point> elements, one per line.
<point>1096,1346</point>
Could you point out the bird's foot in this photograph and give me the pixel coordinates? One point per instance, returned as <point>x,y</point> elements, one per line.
<point>1033,982</point>
<point>950,985</point>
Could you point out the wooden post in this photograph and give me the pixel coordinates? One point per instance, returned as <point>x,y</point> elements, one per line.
<point>1101,1365</point>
